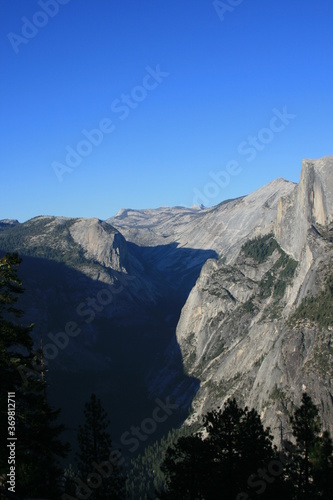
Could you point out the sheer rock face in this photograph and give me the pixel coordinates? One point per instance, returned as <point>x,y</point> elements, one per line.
<point>101,242</point>
<point>310,203</point>
<point>237,332</point>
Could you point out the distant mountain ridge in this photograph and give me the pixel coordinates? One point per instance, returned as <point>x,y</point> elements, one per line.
<point>191,228</point>
<point>6,223</point>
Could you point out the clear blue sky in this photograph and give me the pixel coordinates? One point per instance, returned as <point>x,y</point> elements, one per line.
<point>87,66</point>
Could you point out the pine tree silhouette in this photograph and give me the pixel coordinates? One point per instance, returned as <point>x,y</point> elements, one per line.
<point>98,473</point>
<point>220,464</point>
<point>312,464</point>
<point>38,446</point>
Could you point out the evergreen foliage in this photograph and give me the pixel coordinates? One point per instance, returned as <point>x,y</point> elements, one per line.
<point>318,308</point>
<point>312,464</point>
<point>95,469</point>
<point>21,371</point>
<point>145,475</point>
<point>62,247</point>
<point>236,459</point>
<point>275,281</point>
<point>278,277</point>
<point>260,248</point>
<point>220,464</point>
<point>93,438</point>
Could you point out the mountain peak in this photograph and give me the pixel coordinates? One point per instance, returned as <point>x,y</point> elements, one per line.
<point>311,203</point>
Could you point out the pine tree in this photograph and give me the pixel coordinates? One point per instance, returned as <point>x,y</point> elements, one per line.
<point>186,468</point>
<point>241,447</point>
<point>15,340</point>
<point>323,467</point>
<point>38,445</point>
<point>97,472</point>
<point>312,464</point>
<point>236,446</point>
<point>306,430</point>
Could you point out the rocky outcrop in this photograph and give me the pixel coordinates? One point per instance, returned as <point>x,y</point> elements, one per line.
<point>6,223</point>
<point>250,329</point>
<point>101,243</point>
<point>310,204</point>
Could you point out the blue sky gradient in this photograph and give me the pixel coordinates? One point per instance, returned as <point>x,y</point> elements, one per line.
<point>220,79</point>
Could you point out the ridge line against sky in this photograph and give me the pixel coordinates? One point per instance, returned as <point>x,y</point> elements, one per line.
<point>111,105</point>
